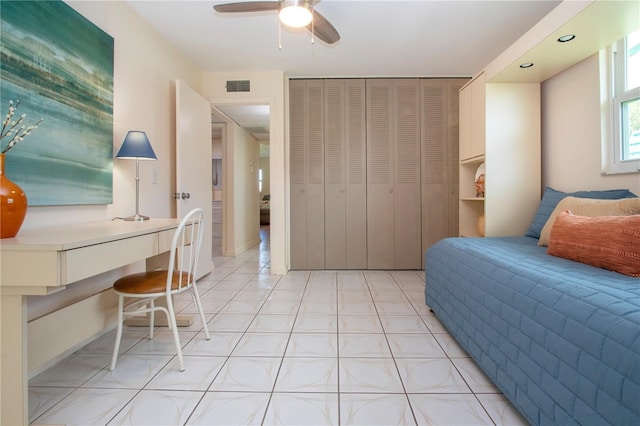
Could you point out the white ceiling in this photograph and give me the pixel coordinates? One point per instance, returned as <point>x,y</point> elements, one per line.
<point>253,118</point>
<point>390,38</point>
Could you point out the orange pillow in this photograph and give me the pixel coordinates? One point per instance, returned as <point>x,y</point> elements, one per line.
<point>610,242</point>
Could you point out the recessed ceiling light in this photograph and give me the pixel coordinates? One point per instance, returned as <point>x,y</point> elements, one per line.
<point>566,38</point>
<point>526,65</point>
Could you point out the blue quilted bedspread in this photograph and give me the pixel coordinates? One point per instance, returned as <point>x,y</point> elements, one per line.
<point>561,339</point>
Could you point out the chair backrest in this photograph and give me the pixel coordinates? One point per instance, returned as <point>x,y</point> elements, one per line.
<point>185,249</point>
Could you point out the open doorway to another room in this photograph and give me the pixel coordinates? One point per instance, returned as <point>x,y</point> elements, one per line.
<point>217,136</point>
<point>264,186</point>
<point>246,184</point>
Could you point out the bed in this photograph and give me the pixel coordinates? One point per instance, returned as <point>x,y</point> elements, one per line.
<point>560,338</point>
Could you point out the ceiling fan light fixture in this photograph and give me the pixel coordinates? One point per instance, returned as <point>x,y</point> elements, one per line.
<point>295,13</point>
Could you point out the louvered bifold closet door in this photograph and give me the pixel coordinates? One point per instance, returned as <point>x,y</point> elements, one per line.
<point>453,160</point>
<point>307,174</point>
<point>380,204</point>
<point>440,169</point>
<point>435,204</point>
<point>345,185</point>
<point>408,215</point>
<point>393,175</point>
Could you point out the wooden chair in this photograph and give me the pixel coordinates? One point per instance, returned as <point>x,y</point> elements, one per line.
<point>180,276</point>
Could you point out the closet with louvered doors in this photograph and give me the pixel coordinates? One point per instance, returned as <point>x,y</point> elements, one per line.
<point>306,133</point>
<point>328,180</point>
<point>394,223</point>
<point>345,190</point>
<point>374,171</point>
<point>440,112</point>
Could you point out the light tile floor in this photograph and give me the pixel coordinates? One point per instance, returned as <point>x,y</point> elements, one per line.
<point>308,348</point>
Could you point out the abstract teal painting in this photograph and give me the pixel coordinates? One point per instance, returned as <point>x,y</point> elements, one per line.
<point>60,66</point>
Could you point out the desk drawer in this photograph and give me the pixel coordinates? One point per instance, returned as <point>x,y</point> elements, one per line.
<point>88,261</point>
<point>165,238</point>
<point>29,268</point>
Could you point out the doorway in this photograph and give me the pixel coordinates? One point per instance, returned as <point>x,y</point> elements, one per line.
<point>218,132</point>
<point>264,185</point>
<point>241,161</point>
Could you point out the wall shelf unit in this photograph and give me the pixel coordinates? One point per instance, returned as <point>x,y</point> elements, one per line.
<point>500,111</point>
<point>471,205</point>
<point>510,144</point>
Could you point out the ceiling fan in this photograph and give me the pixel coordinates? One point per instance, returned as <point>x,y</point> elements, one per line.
<point>293,13</point>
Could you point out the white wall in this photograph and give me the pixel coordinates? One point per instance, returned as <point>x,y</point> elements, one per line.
<point>571,141</point>
<point>265,165</point>
<point>216,148</point>
<point>145,68</point>
<point>241,212</point>
<point>246,196</point>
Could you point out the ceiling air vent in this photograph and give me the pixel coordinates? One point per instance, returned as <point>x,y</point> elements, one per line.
<point>234,86</point>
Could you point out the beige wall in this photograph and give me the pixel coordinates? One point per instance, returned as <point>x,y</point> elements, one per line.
<point>571,141</point>
<point>145,68</point>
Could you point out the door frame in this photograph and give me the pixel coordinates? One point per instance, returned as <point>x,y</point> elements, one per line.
<point>228,217</point>
<point>223,139</point>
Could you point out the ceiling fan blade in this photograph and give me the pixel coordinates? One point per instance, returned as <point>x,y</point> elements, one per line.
<point>323,29</point>
<point>248,6</point>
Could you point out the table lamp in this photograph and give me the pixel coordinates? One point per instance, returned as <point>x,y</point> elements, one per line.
<point>136,146</point>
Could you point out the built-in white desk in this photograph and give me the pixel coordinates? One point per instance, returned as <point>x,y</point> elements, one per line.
<point>41,261</point>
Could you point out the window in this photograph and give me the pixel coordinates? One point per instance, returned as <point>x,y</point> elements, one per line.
<point>622,135</point>
<point>260,180</point>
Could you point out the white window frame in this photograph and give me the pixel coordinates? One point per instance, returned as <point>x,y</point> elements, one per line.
<point>613,95</point>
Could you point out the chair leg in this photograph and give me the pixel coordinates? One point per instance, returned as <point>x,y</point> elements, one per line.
<point>116,347</point>
<point>196,297</point>
<point>152,317</point>
<point>171,317</point>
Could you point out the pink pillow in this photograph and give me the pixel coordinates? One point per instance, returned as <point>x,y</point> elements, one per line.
<point>610,242</point>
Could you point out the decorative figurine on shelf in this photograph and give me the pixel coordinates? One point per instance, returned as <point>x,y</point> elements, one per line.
<point>480,180</point>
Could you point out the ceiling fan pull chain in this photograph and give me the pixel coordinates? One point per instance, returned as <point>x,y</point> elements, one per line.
<point>279,35</point>
<point>313,41</point>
